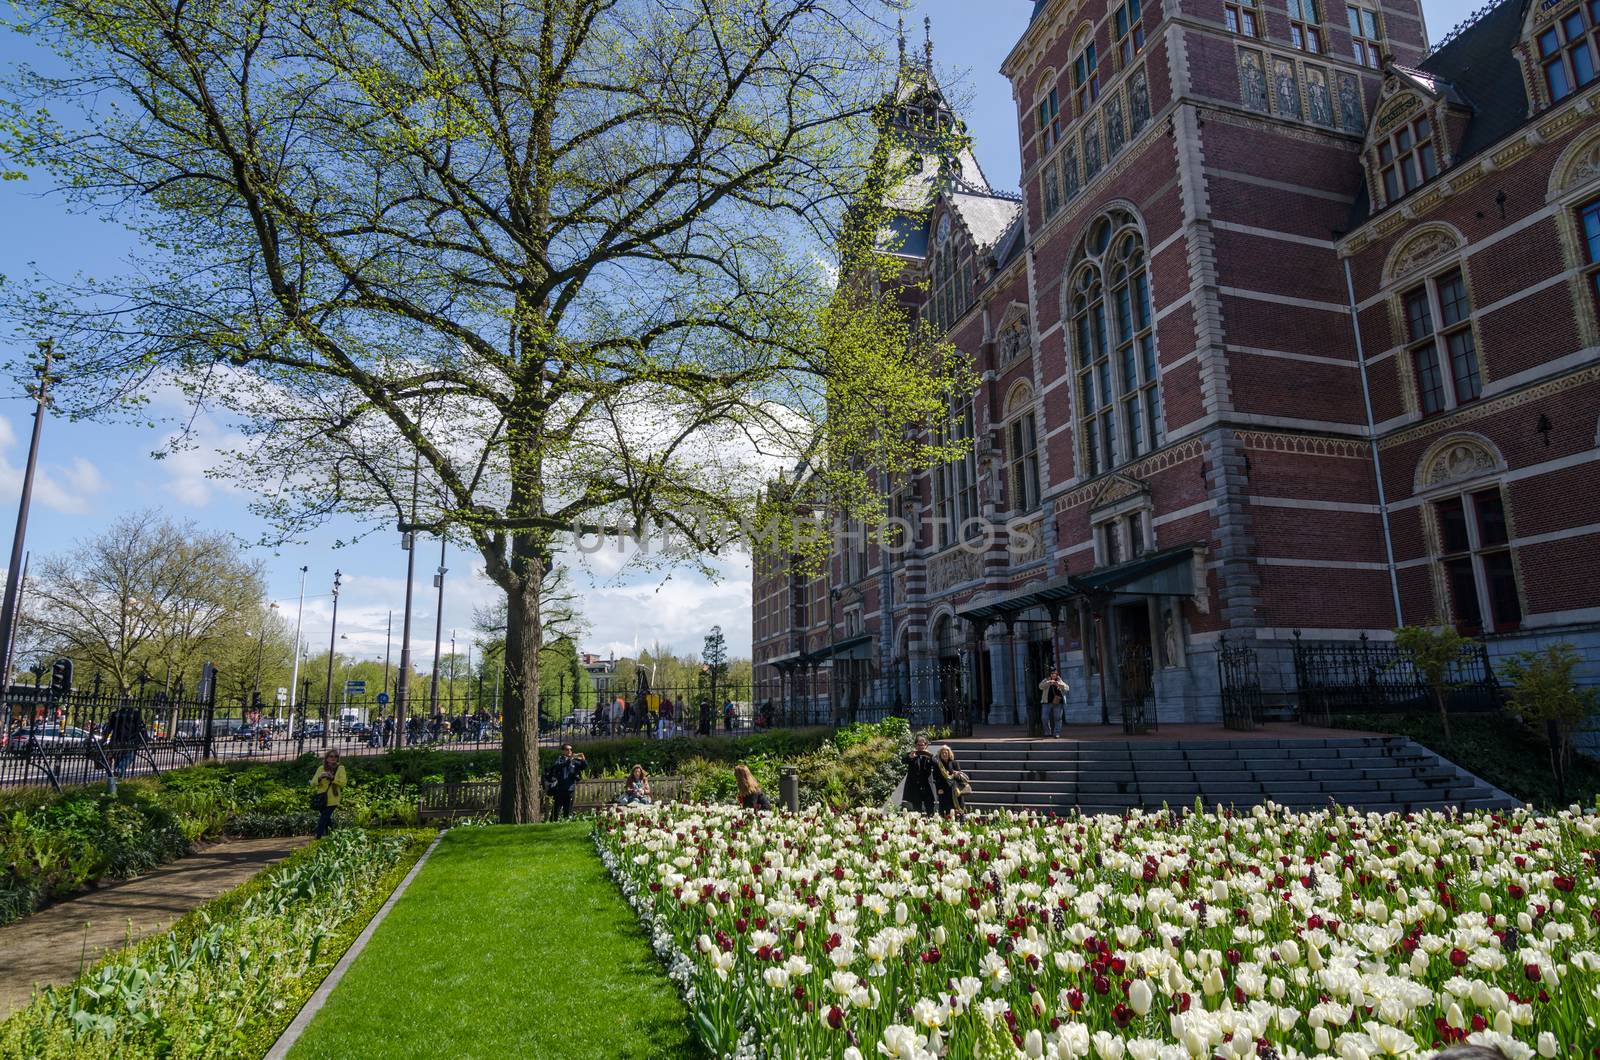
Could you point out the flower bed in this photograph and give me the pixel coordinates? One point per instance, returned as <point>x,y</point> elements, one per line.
<point>1149,937</point>
<point>227,978</point>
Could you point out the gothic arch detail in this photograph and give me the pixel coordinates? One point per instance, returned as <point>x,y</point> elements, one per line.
<point>1420,249</point>
<point>1578,165</point>
<point>1457,458</point>
<point>1018,398</point>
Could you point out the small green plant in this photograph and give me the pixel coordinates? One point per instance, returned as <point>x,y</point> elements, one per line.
<point>1546,695</point>
<point>1433,652</point>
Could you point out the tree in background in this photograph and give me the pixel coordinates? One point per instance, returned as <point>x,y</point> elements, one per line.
<point>149,597</point>
<point>715,654</point>
<point>1546,695</point>
<point>554,267</point>
<point>1434,653</point>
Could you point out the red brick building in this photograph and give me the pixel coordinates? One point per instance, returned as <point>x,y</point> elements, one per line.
<point>1293,328</point>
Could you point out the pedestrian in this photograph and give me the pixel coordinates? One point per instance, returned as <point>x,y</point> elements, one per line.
<point>664,719</point>
<point>614,717</point>
<point>327,787</point>
<point>919,777</point>
<point>1053,699</point>
<point>680,716</point>
<point>561,780</point>
<point>727,716</point>
<point>126,732</point>
<point>949,782</point>
<point>703,698</point>
<point>751,797</point>
<point>636,792</point>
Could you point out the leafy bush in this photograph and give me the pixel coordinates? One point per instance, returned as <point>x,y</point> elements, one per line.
<point>227,978</point>
<point>859,766</point>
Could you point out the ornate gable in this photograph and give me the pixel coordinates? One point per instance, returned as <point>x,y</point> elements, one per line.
<point>1116,488</point>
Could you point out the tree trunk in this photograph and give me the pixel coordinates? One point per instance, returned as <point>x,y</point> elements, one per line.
<point>520,787</point>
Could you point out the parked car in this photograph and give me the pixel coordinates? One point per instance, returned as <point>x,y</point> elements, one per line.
<point>44,739</point>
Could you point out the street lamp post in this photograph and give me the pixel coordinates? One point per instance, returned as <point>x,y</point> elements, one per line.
<point>300,613</point>
<point>438,629</point>
<point>388,638</point>
<point>452,670</point>
<point>327,697</point>
<point>8,609</point>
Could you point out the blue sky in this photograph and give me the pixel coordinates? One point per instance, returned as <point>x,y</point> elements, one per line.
<point>90,473</point>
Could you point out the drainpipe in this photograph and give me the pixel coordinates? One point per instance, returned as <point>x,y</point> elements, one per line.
<point>1372,441</point>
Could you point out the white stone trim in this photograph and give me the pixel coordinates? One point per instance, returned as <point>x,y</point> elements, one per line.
<point>1316,506</point>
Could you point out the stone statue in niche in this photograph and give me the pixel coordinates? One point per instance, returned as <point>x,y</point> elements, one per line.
<point>1350,104</point>
<point>1139,100</point>
<point>1115,133</point>
<point>1318,100</point>
<point>1169,636</point>
<point>1252,81</point>
<point>1286,88</point>
<point>1069,171</point>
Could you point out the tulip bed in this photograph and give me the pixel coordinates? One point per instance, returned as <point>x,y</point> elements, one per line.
<point>1153,936</point>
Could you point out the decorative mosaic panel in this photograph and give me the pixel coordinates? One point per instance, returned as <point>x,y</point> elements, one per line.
<point>1319,101</point>
<point>1285,88</point>
<point>1116,132</point>
<point>1252,81</point>
<point>1350,118</point>
<point>1139,100</point>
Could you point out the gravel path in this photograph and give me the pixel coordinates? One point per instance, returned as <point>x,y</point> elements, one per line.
<point>51,946</point>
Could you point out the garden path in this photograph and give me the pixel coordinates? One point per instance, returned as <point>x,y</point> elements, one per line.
<point>51,946</point>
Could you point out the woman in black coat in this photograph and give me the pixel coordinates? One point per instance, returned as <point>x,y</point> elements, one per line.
<point>919,777</point>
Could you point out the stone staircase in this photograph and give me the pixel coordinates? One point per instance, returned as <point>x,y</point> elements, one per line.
<point>1383,773</point>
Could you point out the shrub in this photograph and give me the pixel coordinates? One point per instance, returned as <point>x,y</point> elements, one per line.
<point>227,978</point>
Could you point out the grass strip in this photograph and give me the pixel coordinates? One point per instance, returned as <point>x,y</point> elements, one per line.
<point>171,995</point>
<point>511,941</point>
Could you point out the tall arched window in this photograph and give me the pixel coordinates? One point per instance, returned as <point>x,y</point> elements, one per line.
<point>1113,326</point>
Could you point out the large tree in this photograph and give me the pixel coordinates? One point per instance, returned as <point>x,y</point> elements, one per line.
<point>507,271</point>
<point>148,596</point>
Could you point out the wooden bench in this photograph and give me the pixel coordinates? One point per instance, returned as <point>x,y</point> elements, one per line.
<point>477,798</point>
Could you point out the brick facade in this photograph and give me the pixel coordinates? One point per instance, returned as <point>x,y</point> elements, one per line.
<point>1306,471</point>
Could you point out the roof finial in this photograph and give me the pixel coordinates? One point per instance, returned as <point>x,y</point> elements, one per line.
<point>927,47</point>
<point>902,40</point>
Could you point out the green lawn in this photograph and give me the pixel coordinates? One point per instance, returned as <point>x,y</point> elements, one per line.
<point>511,942</point>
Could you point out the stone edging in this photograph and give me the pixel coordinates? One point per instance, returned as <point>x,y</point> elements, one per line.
<point>302,1020</point>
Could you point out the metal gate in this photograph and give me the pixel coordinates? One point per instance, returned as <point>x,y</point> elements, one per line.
<point>1239,677</point>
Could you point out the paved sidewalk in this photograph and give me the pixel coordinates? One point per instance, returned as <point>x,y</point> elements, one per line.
<point>51,946</point>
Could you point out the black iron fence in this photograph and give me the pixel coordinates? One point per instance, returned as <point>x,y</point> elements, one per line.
<point>1362,676</point>
<point>81,737</point>
<point>1367,677</point>
<point>926,697</point>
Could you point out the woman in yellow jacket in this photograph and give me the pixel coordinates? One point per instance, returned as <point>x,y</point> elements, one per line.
<point>326,788</point>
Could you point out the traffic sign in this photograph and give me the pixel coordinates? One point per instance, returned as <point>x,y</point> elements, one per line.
<point>283,697</point>
<point>383,699</point>
<point>355,688</point>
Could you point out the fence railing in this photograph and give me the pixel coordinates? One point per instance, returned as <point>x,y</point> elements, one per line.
<point>82,738</point>
<point>1361,676</point>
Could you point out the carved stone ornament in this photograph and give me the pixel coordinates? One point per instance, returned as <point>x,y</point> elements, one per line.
<point>1118,488</point>
<point>1457,462</point>
<point>1421,250</point>
<point>952,568</point>
<point>1584,168</point>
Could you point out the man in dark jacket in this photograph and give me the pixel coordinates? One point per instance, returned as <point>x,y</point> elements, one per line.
<point>126,734</point>
<point>561,781</point>
<point>919,778</point>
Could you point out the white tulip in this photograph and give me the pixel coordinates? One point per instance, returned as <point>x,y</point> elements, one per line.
<point>1139,997</point>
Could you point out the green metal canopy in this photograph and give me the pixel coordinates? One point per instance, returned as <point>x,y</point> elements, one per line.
<point>1169,572</point>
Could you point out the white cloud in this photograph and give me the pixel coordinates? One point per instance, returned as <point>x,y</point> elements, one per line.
<point>66,488</point>
<point>190,460</point>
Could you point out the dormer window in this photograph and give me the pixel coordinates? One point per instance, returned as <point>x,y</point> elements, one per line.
<point>1305,30</point>
<point>1407,159</point>
<point>1049,120</point>
<point>1567,52</point>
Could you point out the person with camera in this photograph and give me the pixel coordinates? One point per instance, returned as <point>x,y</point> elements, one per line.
<point>561,780</point>
<point>919,778</point>
<point>327,787</point>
